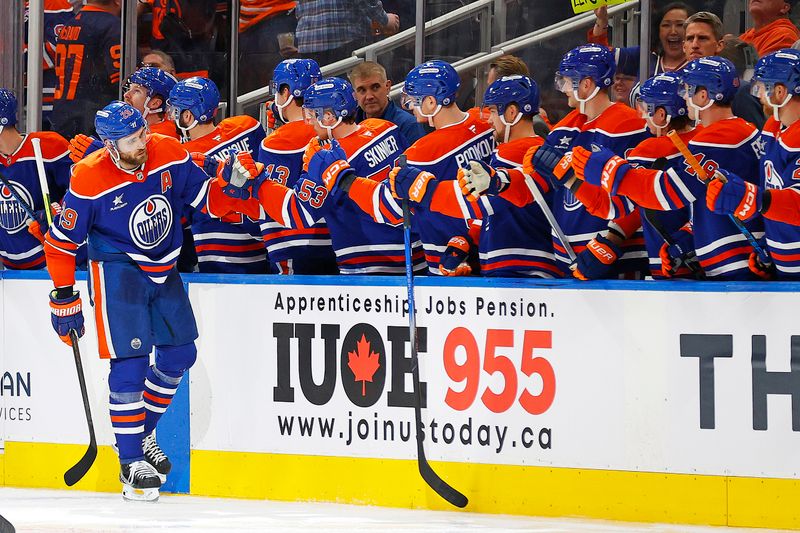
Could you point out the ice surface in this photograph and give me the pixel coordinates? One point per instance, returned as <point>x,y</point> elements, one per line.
<point>33,510</point>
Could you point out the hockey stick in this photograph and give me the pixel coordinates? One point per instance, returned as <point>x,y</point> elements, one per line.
<point>431,478</point>
<point>74,474</point>
<point>37,154</point>
<point>689,259</point>
<point>763,256</point>
<point>548,214</point>
<point>25,207</point>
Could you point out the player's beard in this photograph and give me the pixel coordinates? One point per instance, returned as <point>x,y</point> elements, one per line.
<point>133,159</point>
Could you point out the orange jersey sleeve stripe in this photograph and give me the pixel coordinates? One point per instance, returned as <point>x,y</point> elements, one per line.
<point>98,294</point>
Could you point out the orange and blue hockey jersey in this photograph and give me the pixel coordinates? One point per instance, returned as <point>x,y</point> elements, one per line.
<point>441,153</point>
<point>779,170</point>
<point>87,62</point>
<point>18,248</point>
<point>514,240</point>
<point>232,244</point>
<point>732,144</point>
<point>619,129</point>
<point>291,250</point>
<point>131,216</point>
<point>362,244</point>
<point>56,15</point>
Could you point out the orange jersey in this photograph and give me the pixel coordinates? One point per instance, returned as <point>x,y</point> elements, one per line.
<point>776,35</point>
<point>165,127</point>
<point>254,11</point>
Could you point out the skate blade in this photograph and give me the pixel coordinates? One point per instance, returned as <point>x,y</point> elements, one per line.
<point>139,495</point>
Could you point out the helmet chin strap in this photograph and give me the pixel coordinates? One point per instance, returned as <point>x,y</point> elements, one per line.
<point>330,129</point>
<point>280,108</point>
<point>430,117</point>
<point>147,110</point>
<point>508,125</point>
<point>659,129</point>
<point>184,131</point>
<point>698,108</point>
<point>582,101</point>
<point>777,107</point>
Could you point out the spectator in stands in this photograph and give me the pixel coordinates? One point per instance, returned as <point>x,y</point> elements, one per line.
<point>56,13</point>
<point>159,59</point>
<point>703,35</point>
<point>743,56</point>
<point>667,36</point>
<point>772,29</point>
<point>625,79</point>
<point>329,30</point>
<point>87,63</point>
<point>508,65</point>
<point>371,88</point>
<point>266,37</point>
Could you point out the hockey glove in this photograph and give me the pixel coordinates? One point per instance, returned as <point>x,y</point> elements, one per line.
<point>757,267</point>
<point>66,314</point>
<point>313,146</point>
<point>238,174</point>
<point>680,253</point>
<point>209,164</point>
<point>454,260</point>
<point>735,196</point>
<point>410,182</point>
<point>331,168</point>
<point>597,260</point>
<point>82,145</point>
<point>479,178</point>
<point>553,164</point>
<point>35,226</point>
<point>600,167</point>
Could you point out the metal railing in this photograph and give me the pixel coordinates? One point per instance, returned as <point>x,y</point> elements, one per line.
<point>492,25</point>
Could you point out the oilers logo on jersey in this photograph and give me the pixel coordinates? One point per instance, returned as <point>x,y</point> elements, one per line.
<point>571,203</point>
<point>151,222</point>
<point>772,180</point>
<point>12,215</point>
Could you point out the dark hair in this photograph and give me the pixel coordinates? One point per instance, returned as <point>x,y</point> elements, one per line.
<point>678,123</point>
<point>655,42</point>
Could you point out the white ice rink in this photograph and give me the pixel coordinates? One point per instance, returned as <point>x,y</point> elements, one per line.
<point>33,510</point>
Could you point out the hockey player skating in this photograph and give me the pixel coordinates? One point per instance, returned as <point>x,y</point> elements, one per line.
<point>514,240</point>
<point>21,249</point>
<point>606,246</point>
<point>232,244</point>
<point>709,85</point>
<point>125,201</point>
<point>306,249</point>
<point>776,197</point>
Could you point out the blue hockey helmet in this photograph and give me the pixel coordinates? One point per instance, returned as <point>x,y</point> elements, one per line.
<point>433,78</point>
<point>118,120</point>
<point>8,109</point>
<point>297,74</point>
<point>330,95</point>
<point>662,91</point>
<point>198,95</point>
<point>715,74</point>
<point>520,90</point>
<point>157,82</point>
<point>591,61</point>
<point>778,68</point>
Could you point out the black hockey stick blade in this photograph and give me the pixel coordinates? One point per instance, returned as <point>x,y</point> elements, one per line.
<point>76,473</point>
<point>6,526</point>
<point>439,485</point>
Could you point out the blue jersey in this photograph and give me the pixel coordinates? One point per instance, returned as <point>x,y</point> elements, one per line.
<point>780,169</point>
<point>127,216</point>
<point>282,155</point>
<point>232,244</point>
<point>362,244</point>
<point>18,248</point>
<point>619,129</point>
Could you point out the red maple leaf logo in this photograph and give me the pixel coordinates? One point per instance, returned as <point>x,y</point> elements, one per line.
<point>363,362</point>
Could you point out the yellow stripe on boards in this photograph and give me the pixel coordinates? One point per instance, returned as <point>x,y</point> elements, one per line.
<point>755,502</point>
<point>42,465</point>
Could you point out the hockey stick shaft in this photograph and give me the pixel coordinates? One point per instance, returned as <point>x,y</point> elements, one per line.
<point>551,218</point>
<point>37,154</point>
<point>25,207</point>
<point>76,473</point>
<point>433,480</point>
<point>703,175</point>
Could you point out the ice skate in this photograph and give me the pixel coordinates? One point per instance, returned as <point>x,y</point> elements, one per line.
<point>140,482</point>
<point>154,455</point>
